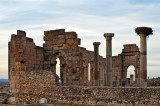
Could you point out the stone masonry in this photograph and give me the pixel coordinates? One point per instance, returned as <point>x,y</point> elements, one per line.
<point>35,67</point>
<point>100,96</point>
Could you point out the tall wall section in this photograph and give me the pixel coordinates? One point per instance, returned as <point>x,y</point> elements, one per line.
<point>117,70</point>
<point>24,55</point>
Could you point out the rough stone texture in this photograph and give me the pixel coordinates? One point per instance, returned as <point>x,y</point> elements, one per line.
<point>12,100</point>
<point>4,95</point>
<point>39,83</point>
<point>104,96</point>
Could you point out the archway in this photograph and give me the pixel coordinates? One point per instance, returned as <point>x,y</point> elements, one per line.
<point>58,66</point>
<point>131,74</point>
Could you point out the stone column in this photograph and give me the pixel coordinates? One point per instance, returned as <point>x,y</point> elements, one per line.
<point>108,37</point>
<point>96,63</point>
<point>143,32</point>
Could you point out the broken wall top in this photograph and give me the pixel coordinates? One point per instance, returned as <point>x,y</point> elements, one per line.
<point>128,48</point>
<point>59,39</point>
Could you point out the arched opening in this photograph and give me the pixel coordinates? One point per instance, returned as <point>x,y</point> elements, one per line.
<point>59,68</point>
<point>58,73</point>
<point>89,71</point>
<point>131,74</point>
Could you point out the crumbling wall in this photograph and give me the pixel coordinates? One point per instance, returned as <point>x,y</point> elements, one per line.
<point>24,55</point>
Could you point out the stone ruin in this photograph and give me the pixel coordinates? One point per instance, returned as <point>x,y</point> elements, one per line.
<point>30,64</point>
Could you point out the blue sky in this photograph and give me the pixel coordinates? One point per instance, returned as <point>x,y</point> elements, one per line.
<point>89,18</point>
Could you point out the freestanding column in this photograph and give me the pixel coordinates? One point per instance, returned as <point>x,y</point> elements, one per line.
<point>96,64</point>
<point>143,32</point>
<point>108,37</point>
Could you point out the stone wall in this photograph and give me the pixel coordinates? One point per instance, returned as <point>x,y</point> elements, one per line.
<point>117,72</point>
<point>4,95</point>
<point>99,96</point>
<point>39,83</point>
<point>24,55</point>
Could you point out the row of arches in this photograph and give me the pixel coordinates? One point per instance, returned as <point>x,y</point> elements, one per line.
<point>130,72</point>
<point>60,66</point>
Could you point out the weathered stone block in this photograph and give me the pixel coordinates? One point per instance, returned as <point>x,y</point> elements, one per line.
<point>20,32</point>
<point>29,39</point>
<point>61,36</point>
<point>70,41</point>
<point>50,37</point>
<point>78,41</point>
<point>55,32</point>
<point>59,41</point>
<point>73,46</point>
<point>71,35</point>
<point>49,43</point>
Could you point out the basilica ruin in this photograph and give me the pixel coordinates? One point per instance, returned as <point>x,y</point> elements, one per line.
<point>110,71</point>
<point>32,69</point>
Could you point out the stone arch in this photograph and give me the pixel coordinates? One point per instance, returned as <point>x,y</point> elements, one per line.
<point>130,56</point>
<point>129,62</point>
<point>63,66</point>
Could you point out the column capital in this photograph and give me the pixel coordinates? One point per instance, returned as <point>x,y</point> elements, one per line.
<point>96,43</point>
<point>145,31</point>
<point>108,35</point>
